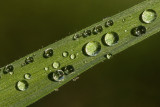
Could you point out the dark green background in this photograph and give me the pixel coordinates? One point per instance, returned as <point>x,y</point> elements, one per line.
<point>130,79</point>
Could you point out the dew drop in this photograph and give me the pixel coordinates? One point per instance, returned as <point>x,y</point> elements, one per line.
<point>148,16</point>
<point>27,76</point>
<point>76,36</point>
<point>56,90</point>
<point>75,79</point>
<point>109,56</point>
<point>111,38</point>
<point>87,33</point>
<point>22,85</point>
<point>138,31</point>
<point>109,23</point>
<point>68,69</point>
<point>123,20</point>
<point>58,76</point>
<point>92,48</point>
<point>97,29</point>
<point>8,69</point>
<point>73,56</point>
<point>46,68</point>
<point>65,54</point>
<point>48,53</point>
<point>56,65</point>
<point>29,60</point>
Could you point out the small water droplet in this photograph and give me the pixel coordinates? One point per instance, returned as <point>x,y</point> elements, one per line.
<point>65,54</point>
<point>76,36</point>
<point>87,33</point>
<point>111,38</point>
<point>92,48</point>
<point>29,60</point>
<point>46,68</point>
<point>138,31</point>
<point>125,30</point>
<point>75,79</point>
<point>109,56</point>
<point>73,56</point>
<point>56,90</point>
<point>109,23</point>
<point>97,29</point>
<point>58,75</point>
<point>27,76</point>
<point>68,69</point>
<point>8,68</point>
<point>56,65</point>
<point>148,16</point>
<point>48,53</point>
<point>22,85</point>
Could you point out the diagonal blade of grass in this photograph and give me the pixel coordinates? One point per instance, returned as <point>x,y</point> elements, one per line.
<point>40,83</point>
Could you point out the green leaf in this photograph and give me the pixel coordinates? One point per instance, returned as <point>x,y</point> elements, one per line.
<point>36,75</point>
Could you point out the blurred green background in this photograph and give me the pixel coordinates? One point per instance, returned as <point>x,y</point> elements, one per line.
<point>130,79</point>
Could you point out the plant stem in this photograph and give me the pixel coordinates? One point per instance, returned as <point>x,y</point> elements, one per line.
<point>128,28</point>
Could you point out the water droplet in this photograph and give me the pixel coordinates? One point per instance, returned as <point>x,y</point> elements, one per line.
<point>22,85</point>
<point>65,54</point>
<point>46,68</point>
<point>87,33</point>
<point>123,20</point>
<point>68,69</point>
<point>109,23</point>
<point>148,16</point>
<point>8,68</point>
<point>125,30</point>
<point>29,60</point>
<point>75,79</point>
<point>76,36</point>
<point>56,90</point>
<point>73,56</point>
<point>56,65</point>
<point>58,75</point>
<point>27,76</point>
<point>109,56</point>
<point>48,53</point>
<point>97,29</point>
<point>92,48</point>
<point>111,38</point>
<point>138,31</point>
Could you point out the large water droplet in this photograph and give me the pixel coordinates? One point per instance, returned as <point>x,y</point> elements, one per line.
<point>58,75</point>
<point>27,76</point>
<point>73,56</point>
<point>97,29</point>
<point>92,48</point>
<point>29,60</point>
<point>148,16</point>
<point>48,53</point>
<point>109,23</point>
<point>68,69</point>
<point>8,69</point>
<point>22,85</point>
<point>65,54</point>
<point>138,31</point>
<point>110,38</point>
<point>56,65</point>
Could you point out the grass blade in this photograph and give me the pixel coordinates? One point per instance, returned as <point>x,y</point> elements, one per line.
<point>128,28</point>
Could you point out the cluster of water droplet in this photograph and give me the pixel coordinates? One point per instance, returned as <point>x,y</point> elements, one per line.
<point>58,75</point>
<point>91,49</point>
